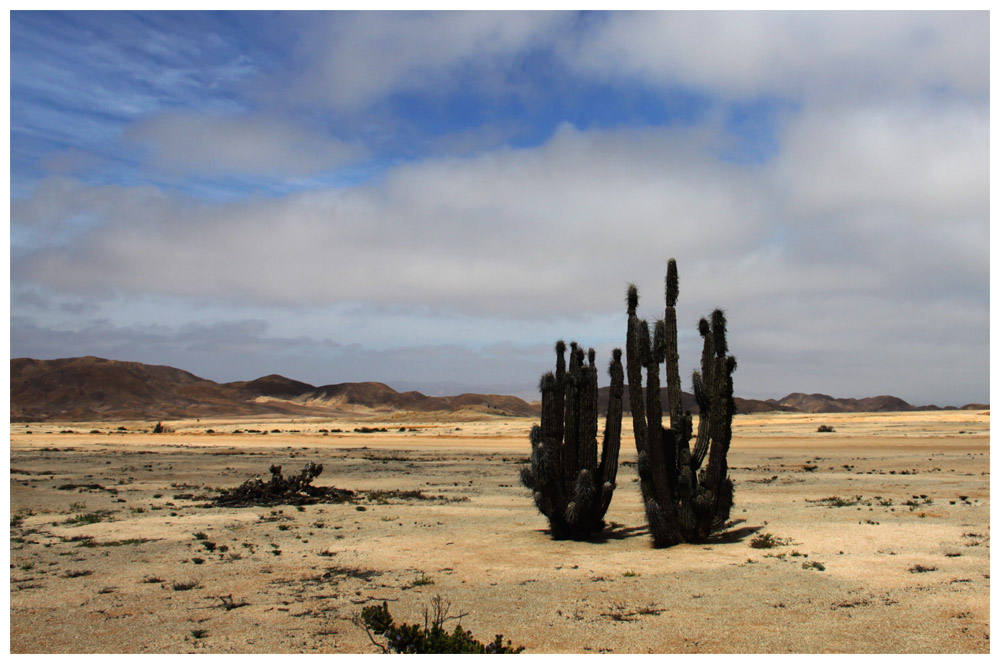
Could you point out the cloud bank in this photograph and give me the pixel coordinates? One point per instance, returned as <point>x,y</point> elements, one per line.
<point>825,180</point>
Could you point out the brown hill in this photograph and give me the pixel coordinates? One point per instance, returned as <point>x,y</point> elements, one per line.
<point>273,386</point>
<point>93,388</point>
<point>822,403</point>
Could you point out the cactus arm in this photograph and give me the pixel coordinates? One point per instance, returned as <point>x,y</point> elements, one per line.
<point>560,387</point>
<point>719,409</point>
<point>588,415</point>
<point>670,350</point>
<point>703,385</point>
<point>654,421</point>
<point>608,470</point>
<point>633,368</point>
<point>571,423</point>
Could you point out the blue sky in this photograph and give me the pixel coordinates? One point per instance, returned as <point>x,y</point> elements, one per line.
<point>433,199</point>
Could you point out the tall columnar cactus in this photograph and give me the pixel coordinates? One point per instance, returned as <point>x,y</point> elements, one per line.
<point>683,503</point>
<point>571,487</point>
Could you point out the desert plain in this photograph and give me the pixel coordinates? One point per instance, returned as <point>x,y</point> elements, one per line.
<point>879,538</point>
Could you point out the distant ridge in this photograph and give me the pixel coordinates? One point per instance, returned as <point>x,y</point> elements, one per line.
<point>93,388</point>
<point>822,403</point>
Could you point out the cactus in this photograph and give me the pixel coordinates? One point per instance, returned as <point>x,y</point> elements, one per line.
<point>571,487</point>
<point>682,504</point>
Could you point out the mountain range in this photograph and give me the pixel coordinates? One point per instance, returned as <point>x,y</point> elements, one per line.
<point>97,389</point>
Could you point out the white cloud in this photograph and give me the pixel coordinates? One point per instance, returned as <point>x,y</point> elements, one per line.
<point>862,200</point>
<point>357,59</point>
<point>554,230</point>
<point>833,57</point>
<point>243,143</point>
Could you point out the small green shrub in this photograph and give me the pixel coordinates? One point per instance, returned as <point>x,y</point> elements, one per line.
<point>88,518</point>
<point>432,638</point>
<point>767,541</point>
<point>423,580</point>
<point>824,428</point>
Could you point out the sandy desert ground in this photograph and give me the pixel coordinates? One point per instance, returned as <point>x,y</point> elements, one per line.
<point>884,525</point>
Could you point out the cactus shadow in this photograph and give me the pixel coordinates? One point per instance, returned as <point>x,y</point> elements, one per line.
<point>611,532</point>
<point>617,532</point>
<point>731,534</point>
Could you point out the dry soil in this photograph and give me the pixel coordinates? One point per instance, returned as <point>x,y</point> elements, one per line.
<point>881,533</point>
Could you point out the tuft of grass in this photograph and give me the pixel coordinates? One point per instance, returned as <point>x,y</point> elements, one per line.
<point>422,580</point>
<point>767,541</point>
<point>920,569</point>
<point>73,574</point>
<point>87,518</point>
<point>629,573</point>
<point>814,564</point>
<point>837,501</point>
<point>90,543</point>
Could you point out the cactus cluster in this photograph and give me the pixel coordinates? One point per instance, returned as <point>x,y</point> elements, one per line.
<point>571,487</point>
<point>683,502</point>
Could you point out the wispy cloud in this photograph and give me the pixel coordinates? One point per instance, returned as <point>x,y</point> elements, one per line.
<point>227,144</point>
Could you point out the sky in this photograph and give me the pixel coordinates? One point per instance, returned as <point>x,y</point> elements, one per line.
<point>432,200</point>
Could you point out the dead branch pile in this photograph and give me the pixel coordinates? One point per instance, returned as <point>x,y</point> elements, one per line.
<point>280,490</point>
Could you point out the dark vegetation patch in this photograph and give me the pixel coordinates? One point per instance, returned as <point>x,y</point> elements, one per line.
<point>89,517</point>
<point>339,572</point>
<point>89,487</point>
<point>382,496</point>
<point>874,501</point>
<point>431,638</point>
<point>90,543</point>
<point>72,574</point>
<point>767,541</point>
<point>281,490</point>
